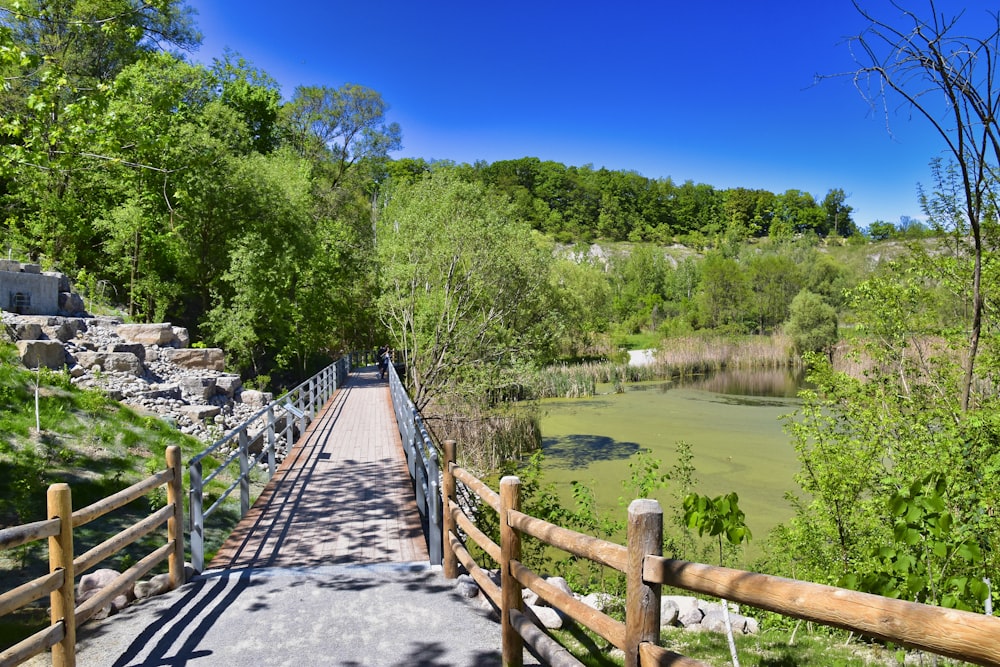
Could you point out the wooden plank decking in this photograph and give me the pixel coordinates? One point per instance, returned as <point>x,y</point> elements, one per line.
<point>342,495</point>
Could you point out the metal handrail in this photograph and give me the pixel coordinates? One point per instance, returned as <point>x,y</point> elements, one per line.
<point>422,459</point>
<point>300,404</point>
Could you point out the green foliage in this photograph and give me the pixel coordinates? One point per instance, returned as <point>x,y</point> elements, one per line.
<point>812,323</point>
<point>931,559</point>
<point>718,517</point>
<point>463,287</point>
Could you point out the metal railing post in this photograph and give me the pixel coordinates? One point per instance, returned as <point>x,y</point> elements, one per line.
<point>244,473</point>
<point>271,466</point>
<point>197,517</point>
<point>434,537</point>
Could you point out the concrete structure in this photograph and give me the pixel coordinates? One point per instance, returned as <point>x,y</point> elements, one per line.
<point>26,290</point>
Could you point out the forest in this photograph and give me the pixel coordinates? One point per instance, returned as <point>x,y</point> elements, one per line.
<point>277,226</point>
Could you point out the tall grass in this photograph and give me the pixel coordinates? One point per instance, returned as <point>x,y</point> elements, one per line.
<point>487,438</point>
<point>690,355</point>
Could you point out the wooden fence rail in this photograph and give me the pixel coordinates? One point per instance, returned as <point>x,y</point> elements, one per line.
<point>956,634</point>
<point>64,567</point>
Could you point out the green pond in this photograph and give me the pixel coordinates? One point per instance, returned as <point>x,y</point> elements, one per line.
<point>731,420</point>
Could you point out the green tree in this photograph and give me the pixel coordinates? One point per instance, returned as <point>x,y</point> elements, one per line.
<point>812,323</point>
<point>337,127</point>
<point>931,63</point>
<point>463,286</point>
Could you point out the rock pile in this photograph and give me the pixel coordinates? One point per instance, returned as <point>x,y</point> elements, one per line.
<point>682,611</point>
<point>149,367</point>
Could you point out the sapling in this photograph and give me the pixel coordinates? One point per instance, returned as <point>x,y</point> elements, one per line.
<point>719,516</point>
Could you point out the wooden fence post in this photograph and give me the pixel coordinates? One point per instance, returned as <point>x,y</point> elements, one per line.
<point>175,524</point>
<point>512,646</point>
<point>642,600</point>
<point>63,600</point>
<point>448,496</point>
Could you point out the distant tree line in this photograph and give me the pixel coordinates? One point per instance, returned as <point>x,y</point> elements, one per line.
<point>574,204</point>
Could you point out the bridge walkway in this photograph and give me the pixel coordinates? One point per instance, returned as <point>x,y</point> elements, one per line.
<point>342,495</point>
<point>330,567</point>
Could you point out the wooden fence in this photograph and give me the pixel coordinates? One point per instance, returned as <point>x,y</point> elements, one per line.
<point>957,634</point>
<point>65,566</point>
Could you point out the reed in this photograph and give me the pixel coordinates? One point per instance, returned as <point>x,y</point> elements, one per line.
<point>689,355</point>
<point>489,437</point>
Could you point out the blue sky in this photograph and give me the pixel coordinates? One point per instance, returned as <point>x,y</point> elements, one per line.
<point>720,92</point>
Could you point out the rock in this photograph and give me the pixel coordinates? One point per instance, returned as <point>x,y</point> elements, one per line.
<point>28,331</point>
<point>181,337</point>
<point>117,362</point>
<point>547,616</point>
<point>137,349</point>
<point>39,353</point>
<point>148,334</point>
<point>157,585</point>
<point>752,627</point>
<point>466,587</point>
<point>228,384</point>
<point>62,330</point>
<point>560,584</point>
<point>71,303</point>
<point>168,391</point>
<point>199,413</point>
<point>207,358</point>
<point>688,611</point>
<point>199,388</point>
<point>599,601</point>
<point>668,613</point>
<point>529,596</point>
<point>254,398</point>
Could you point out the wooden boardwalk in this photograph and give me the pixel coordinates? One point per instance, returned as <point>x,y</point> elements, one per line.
<point>342,495</point>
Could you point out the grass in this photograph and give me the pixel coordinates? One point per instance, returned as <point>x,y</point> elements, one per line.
<point>97,446</point>
<point>777,647</point>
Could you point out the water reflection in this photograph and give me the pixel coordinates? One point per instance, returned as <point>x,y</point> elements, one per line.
<point>579,451</point>
<point>749,384</point>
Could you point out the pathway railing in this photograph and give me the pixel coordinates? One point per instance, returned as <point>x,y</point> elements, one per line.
<point>422,462</point>
<point>956,634</point>
<point>253,442</point>
<point>65,566</point>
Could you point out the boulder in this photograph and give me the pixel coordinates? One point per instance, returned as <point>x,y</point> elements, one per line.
<point>197,413</point>
<point>599,601</point>
<point>111,362</point>
<point>62,329</point>
<point>206,358</point>
<point>199,388</point>
<point>466,587</point>
<point>668,613</point>
<point>39,353</point>
<point>168,391</point>
<point>157,585</point>
<point>547,616</point>
<point>27,330</point>
<point>228,384</point>
<point>71,303</point>
<point>254,398</point>
<point>181,337</point>
<point>688,611</point>
<point>160,333</point>
<point>138,349</point>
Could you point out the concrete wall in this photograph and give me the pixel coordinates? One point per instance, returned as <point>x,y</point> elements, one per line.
<point>24,289</point>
